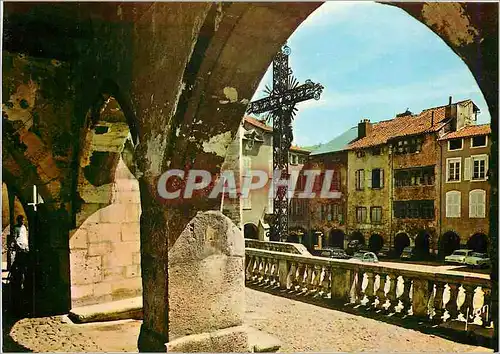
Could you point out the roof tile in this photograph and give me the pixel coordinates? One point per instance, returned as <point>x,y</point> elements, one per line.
<point>471,130</point>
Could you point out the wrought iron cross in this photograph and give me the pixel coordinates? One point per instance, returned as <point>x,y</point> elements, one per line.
<point>280,106</point>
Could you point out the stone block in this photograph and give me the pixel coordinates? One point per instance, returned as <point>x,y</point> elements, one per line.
<point>114,213</point>
<point>132,212</point>
<point>136,258</point>
<point>82,291</point>
<point>101,289</point>
<point>78,239</point>
<point>102,232</point>
<point>131,231</point>
<point>228,340</point>
<point>99,248</point>
<point>114,273</point>
<point>132,271</point>
<point>126,287</point>
<point>206,276</point>
<point>127,197</point>
<point>85,269</point>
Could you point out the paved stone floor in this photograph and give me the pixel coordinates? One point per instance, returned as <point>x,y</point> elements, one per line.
<point>301,327</point>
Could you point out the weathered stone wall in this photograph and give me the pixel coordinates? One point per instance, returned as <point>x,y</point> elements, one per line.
<point>369,197</point>
<point>105,249</point>
<point>232,163</point>
<point>428,156</point>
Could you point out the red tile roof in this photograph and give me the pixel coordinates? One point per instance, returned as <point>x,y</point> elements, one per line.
<point>402,126</point>
<point>299,149</point>
<point>257,123</point>
<point>471,130</point>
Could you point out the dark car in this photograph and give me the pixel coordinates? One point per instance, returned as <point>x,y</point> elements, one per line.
<point>335,253</point>
<point>353,247</point>
<point>408,253</point>
<point>384,252</point>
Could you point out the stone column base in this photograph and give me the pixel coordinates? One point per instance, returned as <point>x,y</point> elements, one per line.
<point>232,339</point>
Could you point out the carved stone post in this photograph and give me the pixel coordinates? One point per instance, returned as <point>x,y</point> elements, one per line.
<point>341,284</point>
<point>420,297</point>
<point>452,306</point>
<point>438,303</point>
<point>391,294</point>
<point>381,291</point>
<point>369,292</point>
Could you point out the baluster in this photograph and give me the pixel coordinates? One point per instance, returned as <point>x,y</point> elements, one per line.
<point>292,277</point>
<point>308,278</point>
<point>249,268</point>
<point>452,306</point>
<point>326,283</point>
<point>268,271</point>
<point>485,313</point>
<point>477,304</point>
<point>256,269</point>
<point>300,277</point>
<point>438,303</point>
<point>316,279</point>
<point>369,292</point>
<point>262,269</point>
<point>391,294</point>
<point>405,296</point>
<point>381,292</point>
<point>358,289</point>
<point>469,301</point>
<point>275,272</point>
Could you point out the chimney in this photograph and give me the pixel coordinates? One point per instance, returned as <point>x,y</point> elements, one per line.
<point>451,99</point>
<point>364,128</point>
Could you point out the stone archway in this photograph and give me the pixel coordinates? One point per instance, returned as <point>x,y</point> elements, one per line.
<point>450,241</point>
<point>401,241</point>
<point>375,242</point>
<point>357,235</point>
<point>478,242</point>
<point>422,243</point>
<point>251,231</point>
<point>336,238</point>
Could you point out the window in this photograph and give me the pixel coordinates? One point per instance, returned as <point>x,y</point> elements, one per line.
<point>408,146</point>
<point>477,203</point>
<point>455,144</point>
<point>360,179</point>
<point>377,178</point>
<point>453,204</point>
<point>336,212</point>
<point>478,141</point>
<point>376,151</point>
<point>414,209</point>
<point>335,185</point>
<point>376,215</point>
<point>453,169</point>
<point>361,215</point>
<point>479,167</point>
<point>294,159</point>
<point>414,177</point>
<point>360,153</point>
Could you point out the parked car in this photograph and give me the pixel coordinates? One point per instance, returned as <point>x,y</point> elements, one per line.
<point>408,253</point>
<point>335,253</point>
<point>353,247</point>
<point>479,260</point>
<point>384,252</point>
<point>458,256</point>
<point>366,257</point>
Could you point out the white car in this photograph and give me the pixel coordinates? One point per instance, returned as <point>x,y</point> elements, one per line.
<point>476,259</point>
<point>458,256</point>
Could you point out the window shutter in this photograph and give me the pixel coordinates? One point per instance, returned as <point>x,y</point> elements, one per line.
<point>457,205</point>
<point>472,205</point>
<point>481,204</point>
<point>486,167</point>
<point>381,178</point>
<point>467,169</point>
<point>369,182</point>
<point>361,179</point>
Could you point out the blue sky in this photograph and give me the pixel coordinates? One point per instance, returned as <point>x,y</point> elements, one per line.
<point>374,61</point>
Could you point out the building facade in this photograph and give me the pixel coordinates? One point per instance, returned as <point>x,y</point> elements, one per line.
<point>465,189</point>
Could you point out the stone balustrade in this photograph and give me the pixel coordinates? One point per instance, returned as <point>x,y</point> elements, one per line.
<point>287,247</point>
<point>387,288</point>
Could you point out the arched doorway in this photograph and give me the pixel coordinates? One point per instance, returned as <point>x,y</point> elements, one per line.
<point>375,243</point>
<point>356,235</point>
<point>250,231</point>
<point>450,242</point>
<point>400,242</point>
<point>422,244</point>
<point>478,242</point>
<point>336,238</point>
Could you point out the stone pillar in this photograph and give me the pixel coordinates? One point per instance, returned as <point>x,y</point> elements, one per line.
<point>206,287</point>
<point>420,297</point>
<point>341,283</point>
<point>283,265</point>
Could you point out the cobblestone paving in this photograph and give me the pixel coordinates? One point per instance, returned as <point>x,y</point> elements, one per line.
<point>300,327</point>
<point>304,327</point>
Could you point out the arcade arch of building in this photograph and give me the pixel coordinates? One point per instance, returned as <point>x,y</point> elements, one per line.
<point>199,71</point>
